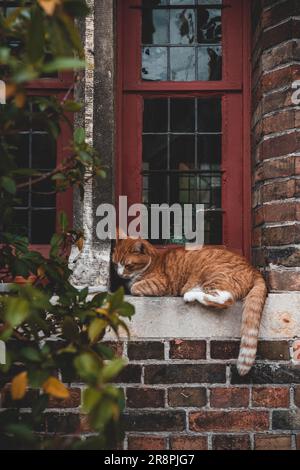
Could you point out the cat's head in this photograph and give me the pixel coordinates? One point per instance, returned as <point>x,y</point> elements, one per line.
<point>132,257</point>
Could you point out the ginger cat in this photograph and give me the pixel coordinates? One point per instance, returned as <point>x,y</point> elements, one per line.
<point>214,277</point>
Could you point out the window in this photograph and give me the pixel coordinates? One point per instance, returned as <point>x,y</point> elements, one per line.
<point>36,213</point>
<point>183,110</point>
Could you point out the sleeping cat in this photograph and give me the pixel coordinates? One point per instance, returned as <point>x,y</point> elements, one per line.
<point>214,277</point>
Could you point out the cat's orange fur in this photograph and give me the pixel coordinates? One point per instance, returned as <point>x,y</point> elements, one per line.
<point>215,277</point>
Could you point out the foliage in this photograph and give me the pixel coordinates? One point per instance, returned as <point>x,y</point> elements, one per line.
<point>52,331</point>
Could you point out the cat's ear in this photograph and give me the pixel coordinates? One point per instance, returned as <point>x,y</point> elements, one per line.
<point>120,234</point>
<point>139,247</point>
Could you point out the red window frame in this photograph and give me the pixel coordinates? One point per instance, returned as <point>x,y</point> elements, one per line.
<point>234,88</point>
<point>59,87</point>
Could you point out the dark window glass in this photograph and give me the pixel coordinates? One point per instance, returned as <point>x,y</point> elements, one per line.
<point>182,159</point>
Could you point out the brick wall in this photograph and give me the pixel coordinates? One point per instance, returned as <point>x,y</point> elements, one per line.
<point>186,395</point>
<point>276,141</point>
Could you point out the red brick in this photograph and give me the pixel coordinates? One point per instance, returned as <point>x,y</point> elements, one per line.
<point>146,443</point>
<point>188,443</point>
<point>279,190</point>
<point>280,212</point>
<point>282,32</point>
<point>280,12</point>
<point>298,441</point>
<point>257,237</point>
<point>280,235</point>
<point>229,397</point>
<point>143,350</point>
<point>231,442</point>
<point>280,55</point>
<point>73,401</point>
<point>185,373</point>
<point>271,397</point>
<point>273,350</point>
<point>229,421</point>
<point>279,122</point>
<point>277,100</point>
<point>297,396</point>
<point>224,349</point>
<point>280,145</point>
<point>273,442</point>
<point>180,349</point>
<point>278,168</point>
<point>145,398</point>
<point>279,78</point>
<point>117,347</point>
<point>187,396</point>
<point>284,280</point>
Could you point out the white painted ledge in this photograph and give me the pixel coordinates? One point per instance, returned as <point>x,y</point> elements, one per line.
<point>167,317</point>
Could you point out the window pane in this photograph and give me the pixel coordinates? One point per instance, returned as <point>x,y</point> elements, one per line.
<point>213,228</point>
<point>182,152</point>
<point>43,152</point>
<point>209,63</point>
<point>182,26</point>
<point>155,152</point>
<point>182,115</point>
<point>209,25</point>
<point>157,192</point>
<point>209,152</point>
<point>42,194</point>
<point>156,115</point>
<point>209,115</point>
<point>43,226</point>
<point>155,63</point>
<point>183,64</point>
<point>155,27</point>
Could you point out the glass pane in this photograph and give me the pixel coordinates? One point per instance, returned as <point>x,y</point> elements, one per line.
<point>182,64</point>
<point>156,115</point>
<point>182,2</point>
<point>213,228</point>
<point>41,194</point>
<point>182,189</point>
<point>209,190</point>
<point>155,152</point>
<point>155,27</point>
<point>182,115</point>
<point>182,152</point>
<point>20,222</point>
<point>22,145</point>
<point>43,152</point>
<point>182,26</point>
<point>157,191</point>
<point>43,226</point>
<point>209,152</point>
<point>154,3</point>
<point>155,63</point>
<point>209,115</point>
<point>209,63</point>
<point>209,25</point>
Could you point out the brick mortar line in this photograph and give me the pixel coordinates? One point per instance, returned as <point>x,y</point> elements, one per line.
<point>274,135</point>
<point>187,338</point>
<point>211,386</point>
<point>292,107</point>
<point>208,409</point>
<point>270,7</point>
<point>160,362</point>
<point>280,67</point>
<point>274,159</point>
<point>280,23</point>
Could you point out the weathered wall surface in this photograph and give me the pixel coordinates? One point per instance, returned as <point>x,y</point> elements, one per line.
<point>276,141</point>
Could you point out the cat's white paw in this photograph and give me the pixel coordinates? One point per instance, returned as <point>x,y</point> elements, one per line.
<point>189,297</point>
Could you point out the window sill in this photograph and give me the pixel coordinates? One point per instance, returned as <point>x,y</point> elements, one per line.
<point>169,317</point>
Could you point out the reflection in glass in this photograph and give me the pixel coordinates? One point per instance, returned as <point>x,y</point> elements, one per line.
<point>209,25</point>
<point>155,27</point>
<point>182,152</point>
<point>183,63</point>
<point>182,26</point>
<point>155,115</point>
<point>182,115</point>
<point>155,152</point>
<point>155,63</point>
<point>209,115</point>
<point>209,63</point>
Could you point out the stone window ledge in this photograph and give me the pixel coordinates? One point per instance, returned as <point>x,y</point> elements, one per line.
<point>169,317</point>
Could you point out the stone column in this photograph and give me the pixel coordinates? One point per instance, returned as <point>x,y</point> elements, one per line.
<point>92,265</point>
<point>276,142</point>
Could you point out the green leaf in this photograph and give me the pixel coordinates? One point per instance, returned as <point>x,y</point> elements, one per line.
<point>31,354</point>
<point>61,64</point>
<point>91,397</point>
<point>70,329</point>
<point>63,221</point>
<point>126,310</point>
<point>79,136</point>
<point>17,311</point>
<point>116,299</point>
<point>88,366</point>
<point>36,36</point>
<point>72,106</point>
<point>112,369</point>
<point>96,329</point>
<point>8,184</point>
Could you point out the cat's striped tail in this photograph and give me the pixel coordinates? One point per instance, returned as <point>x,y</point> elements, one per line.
<point>253,308</point>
